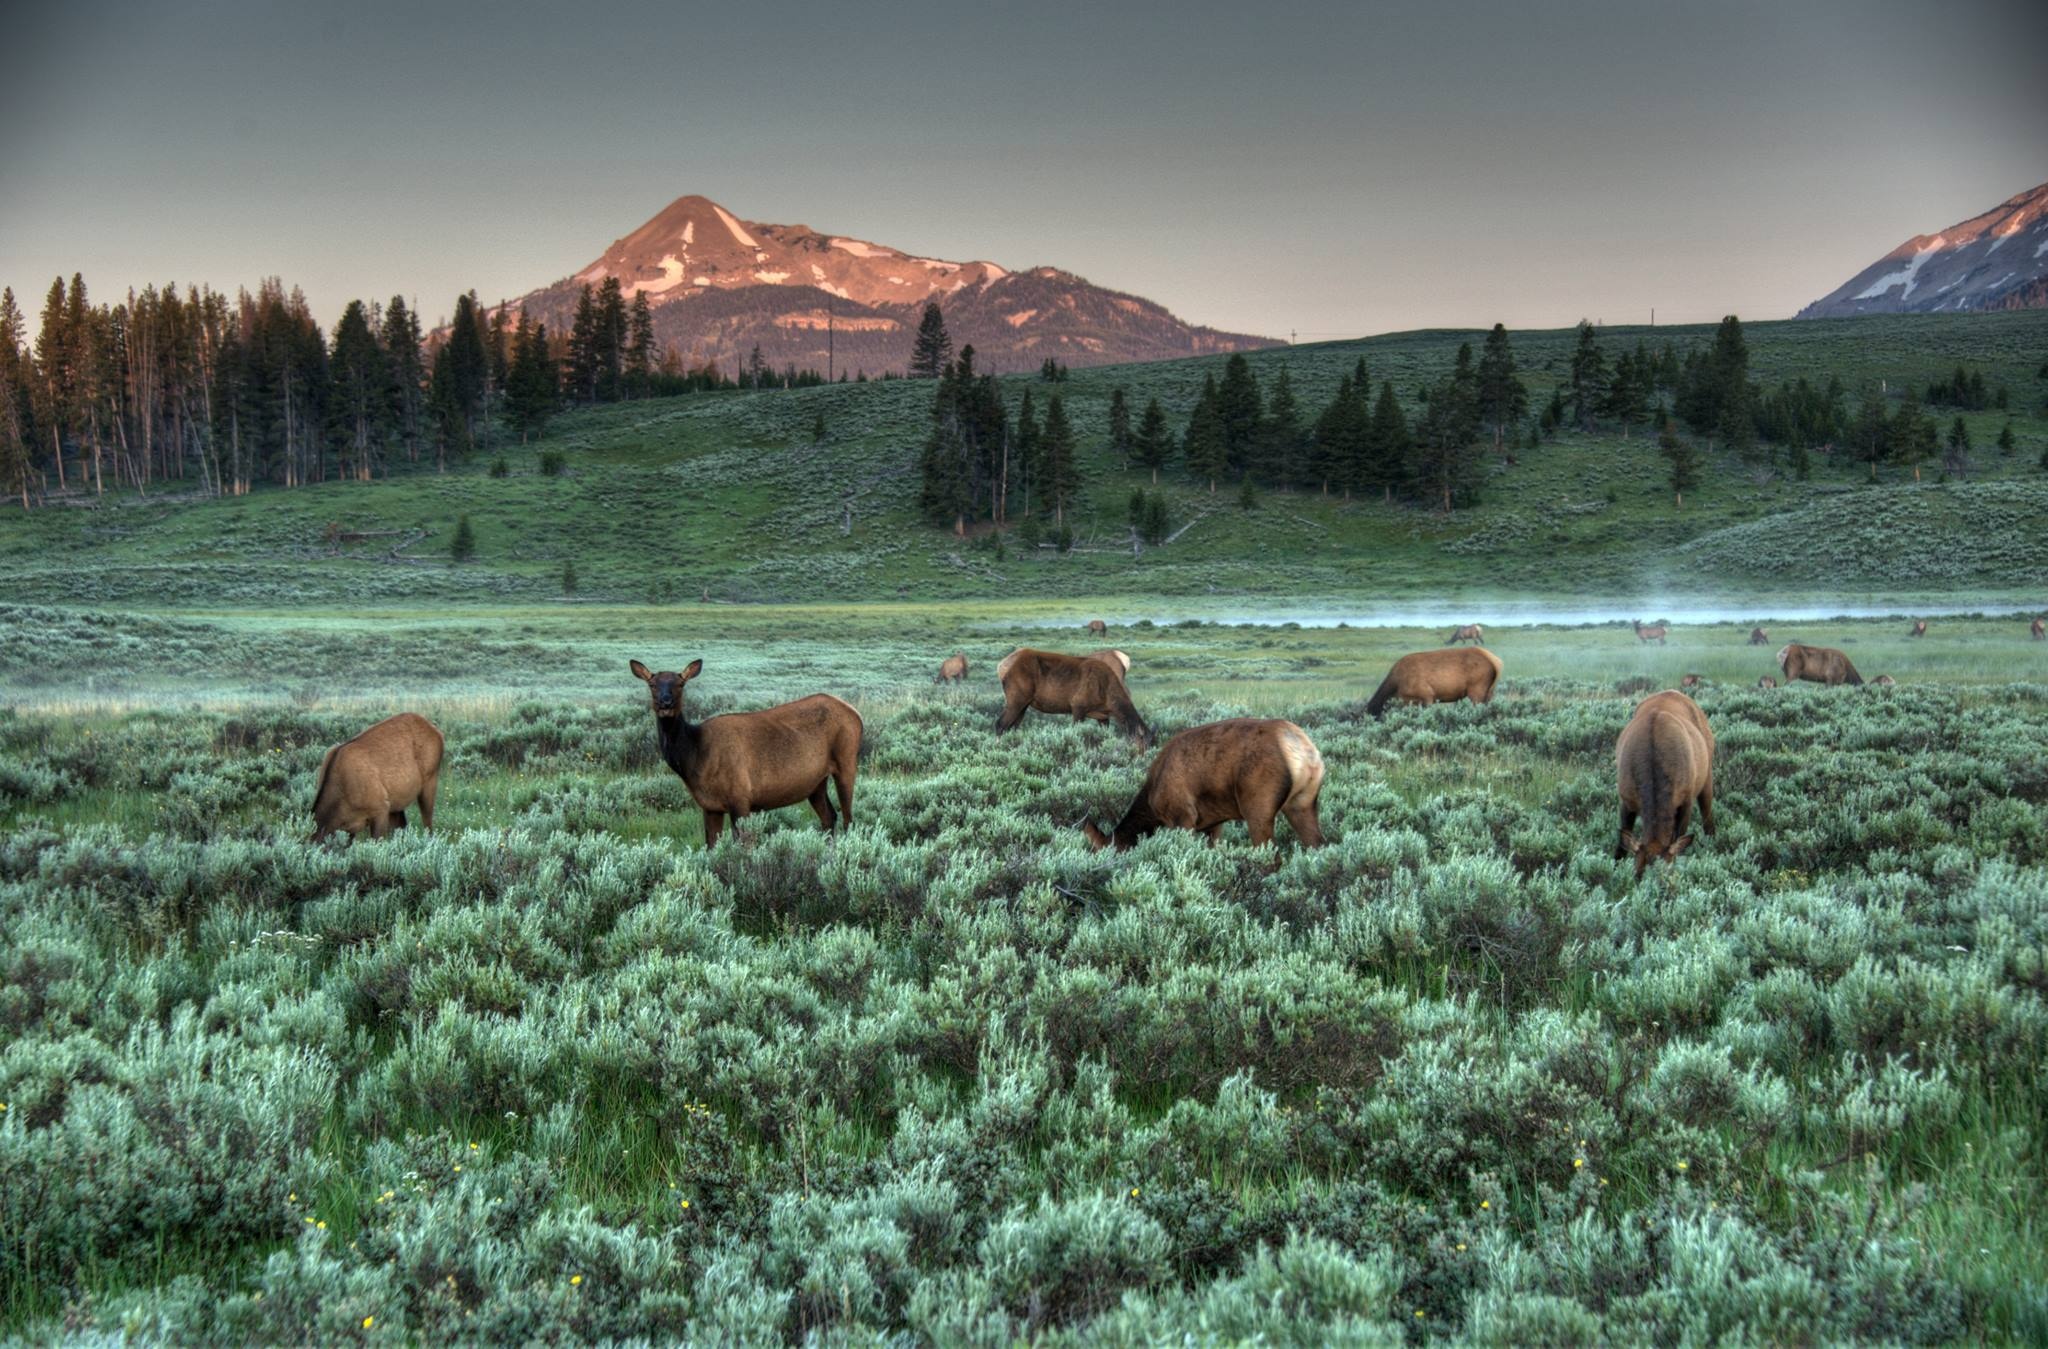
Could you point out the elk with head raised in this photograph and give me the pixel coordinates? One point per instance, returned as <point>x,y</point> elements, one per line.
<point>1469,632</point>
<point>1758,637</point>
<point>952,670</point>
<point>1817,665</point>
<point>1919,628</point>
<point>741,762</point>
<point>1664,765</point>
<point>367,784</point>
<point>1442,676</point>
<point>2039,630</point>
<point>1655,634</point>
<point>1087,688</point>
<point>1249,768</point>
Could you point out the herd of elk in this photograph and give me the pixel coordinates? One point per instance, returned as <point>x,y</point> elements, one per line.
<point>741,762</point>
<point>1470,632</point>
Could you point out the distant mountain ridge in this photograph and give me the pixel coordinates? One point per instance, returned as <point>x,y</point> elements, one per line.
<point>1998,260</point>
<point>719,286</point>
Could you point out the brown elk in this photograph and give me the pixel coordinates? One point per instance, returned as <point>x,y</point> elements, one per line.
<point>1766,682</point>
<point>1470,632</point>
<point>1248,768</point>
<point>952,670</point>
<point>1691,681</point>
<point>1758,637</point>
<point>1443,676</point>
<point>1656,634</point>
<point>1883,681</point>
<point>1919,628</point>
<point>1113,658</point>
<point>2040,630</point>
<point>1817,664</point>
<point>1664,764</point>
<point>1096,627</point>
<point>367,784</point>
<point>1084,687</point>
<point>742,762</point>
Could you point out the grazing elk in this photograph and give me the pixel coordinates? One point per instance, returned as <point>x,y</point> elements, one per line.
<point>1444,676</point>
<point>2039,630</point>
<point>1883,681</point>
<point>367,784</point>
<point>1096,627</point>
<point>1758,637</point>
<point>1248,768</point>
<point>1766,682</point>
<point>952,670</point>
<point>1664,763</point>
<point>1656,634</point>
<point>1919,628</point>
<point>1816,664</point>
<point>1087,687</point>
<point>1470,632</point>
<point>742,762</point>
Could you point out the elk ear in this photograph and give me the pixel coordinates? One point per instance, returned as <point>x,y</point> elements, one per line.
<point>640,671</point>
<point>693,669</point>
<point>1628,840</point>
<point>1684,842</point>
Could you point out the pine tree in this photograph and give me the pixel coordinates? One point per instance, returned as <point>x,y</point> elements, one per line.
<point>2005,440</point>
<point>1957,460</point>
<point>532,392</point>
<point>639,362</point>
<point>361,399</point>
<point>1442,465</point>
<point>1870,434</point>
<point>1682,460</point>
<point>1153,444</point>
<point>463,548</point>
<point>1120,427</point>
<point>1239,408</point>
<point>1203,443</point>
<point>1331,442</point>
<point>609,347</point>
<point>583,358</point>
<point>1278,448</point>
<point>1588,377</point>
<point>406,392</point>
<point>569,577</point>
<point>1389,445</point>
<point>1914,438</point>
<point>17,429</point>
<point>933,350</point>
<point>460,368</point>
<point>1062,472</point>
<point>1502,397</point>
<point>1030,471</point>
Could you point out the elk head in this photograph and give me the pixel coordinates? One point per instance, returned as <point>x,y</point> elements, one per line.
<point>666,689</point>
<point>1646,852</point>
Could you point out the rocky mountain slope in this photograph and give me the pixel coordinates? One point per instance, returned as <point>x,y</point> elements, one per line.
<point>1998,260</point>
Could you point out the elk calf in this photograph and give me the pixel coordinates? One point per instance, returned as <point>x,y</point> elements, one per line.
<point>1087,687</point>
<point>367,784</point>
<point>1664,763</point>
<point>1248,768</point>
<point>742,762</point>
<point>1443,676</point>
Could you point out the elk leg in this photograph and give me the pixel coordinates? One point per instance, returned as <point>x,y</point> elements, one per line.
<point>427,790</point>
<point>1013,712</point>
<point>1628,822</point>
<point>380,825</point>
<point>397,821</point>
<point>1707,809</point>
<point>1214,833</point>
<point>845,780</point>
<point>1260,826</point>
<point>823,805</point>
<point>1308,827</point>
<point>714,824</point>
<point>1680,819</point>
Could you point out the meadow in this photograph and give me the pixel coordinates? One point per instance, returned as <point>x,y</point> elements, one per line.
<point>556,1072</point>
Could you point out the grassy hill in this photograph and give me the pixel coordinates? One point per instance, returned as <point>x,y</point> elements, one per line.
<point>728,495</point>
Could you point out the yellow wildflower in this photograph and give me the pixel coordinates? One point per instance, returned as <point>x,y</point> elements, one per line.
<point>369,1321</point>
<point>1486,1203</point>
<point>321,1225</point>
<point>1685,1166</point>
<point>575,1280</point>
<point>1578,1162</point>
<point>686,1203</point>
<point>1461,1245</point>
<point>1134,1192</point>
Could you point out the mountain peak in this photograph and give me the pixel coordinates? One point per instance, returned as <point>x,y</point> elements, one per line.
<point>1997,260</point>
<point>719,286</point>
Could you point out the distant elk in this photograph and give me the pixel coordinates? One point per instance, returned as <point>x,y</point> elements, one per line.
<point>2040,630</point>
<point>952,670</point>
<point>1758,637</point>
<point>367,784</point>
<point>1656,634</point>
<point>1087,688</point>
<point>1664,764</point>
<point>1817,665</point>
<point>1442,676</point>
<point>1691,681</point>
<point>1883,681</point>
<point>1766,682</point>
<point>742,762</point>
<point>1471,632</point>
<point>1249,768</point>
<point>1096,627</point>
<point>1919,628</point>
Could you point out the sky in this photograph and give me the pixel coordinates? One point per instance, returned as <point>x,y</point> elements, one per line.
<point>1328,169</point>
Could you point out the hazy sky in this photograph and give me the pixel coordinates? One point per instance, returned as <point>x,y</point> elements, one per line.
<point>1334,168</point>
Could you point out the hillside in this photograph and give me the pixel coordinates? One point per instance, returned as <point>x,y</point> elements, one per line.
<point>719,287</point>
<point>1997,260</point>
<point>726,496</point>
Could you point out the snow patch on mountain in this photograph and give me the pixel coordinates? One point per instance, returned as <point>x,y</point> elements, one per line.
<point>725,217</point>
<point>1904,275</point>
<point>671,277</point>
<point>772,278</point>
<point>862,250</point>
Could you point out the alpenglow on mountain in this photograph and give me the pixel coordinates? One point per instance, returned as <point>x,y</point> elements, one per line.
<point>720,286</point>
<point>1998,260</point>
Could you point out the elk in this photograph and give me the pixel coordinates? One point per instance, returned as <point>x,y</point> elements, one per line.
<point>2039,630</point>
<point>1758,637</point>
<point>1087,687</point>
<point>742,762</point>
<point>367,784</point>
<point>1470,632</point>
<point>1883,681</point>
<point>1442,676</point>
<point>1656,634</point>
<point>1249,768</point>
<point>952,670</point>
<point>1766,682</point>
<point>1691,681</point>
<point>1919,628</point>
<point>1816,664</point>
<point>1664,764</point>
<point>1096,627</point>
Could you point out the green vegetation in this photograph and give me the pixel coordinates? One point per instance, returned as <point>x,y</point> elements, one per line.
<point>556,1072</point>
